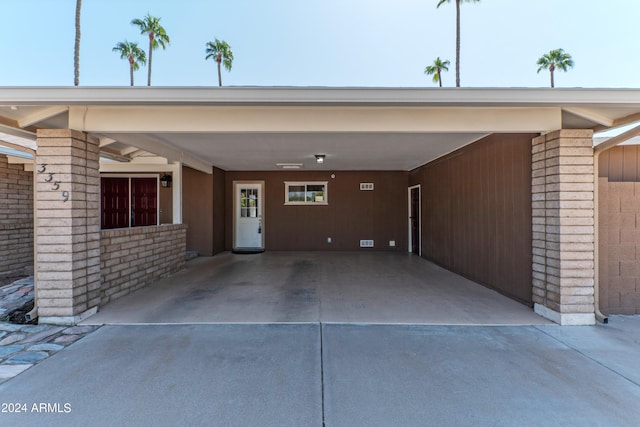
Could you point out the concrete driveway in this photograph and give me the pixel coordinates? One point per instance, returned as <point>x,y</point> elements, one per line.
<point>336,375</point>
<point>327,287</point>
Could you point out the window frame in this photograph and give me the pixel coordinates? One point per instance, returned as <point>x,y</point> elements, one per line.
<point>129,177</point>
<point>288,184</point>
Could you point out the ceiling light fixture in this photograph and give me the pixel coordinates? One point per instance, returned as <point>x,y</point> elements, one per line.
<point>289,165</point>
<point>320,158</point>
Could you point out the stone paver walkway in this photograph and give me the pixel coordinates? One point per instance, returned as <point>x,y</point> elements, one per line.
<point>15,295</point>
<point>22,346</point>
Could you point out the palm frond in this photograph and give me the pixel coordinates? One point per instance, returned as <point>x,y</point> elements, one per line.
<point>557,59</point>
<point>151,25</point>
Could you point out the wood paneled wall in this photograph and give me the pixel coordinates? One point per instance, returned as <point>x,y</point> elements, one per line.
<point>619,230</point>
<point>351,214</point>
<point>476,212</point>
<point>620,164</point>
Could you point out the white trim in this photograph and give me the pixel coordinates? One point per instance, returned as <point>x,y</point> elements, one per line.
<point>410,240</point>
<point>287,184</point>
<point>176,185</point>
<point>565,319</point>
<point>34,96</point>
<point>236,213</point>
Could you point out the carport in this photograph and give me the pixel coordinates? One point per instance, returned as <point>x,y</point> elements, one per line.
<point>312,287</point>
<point>496,185</point>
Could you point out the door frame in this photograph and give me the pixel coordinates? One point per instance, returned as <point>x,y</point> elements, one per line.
<point>261,204</point>
<point>410,240</point>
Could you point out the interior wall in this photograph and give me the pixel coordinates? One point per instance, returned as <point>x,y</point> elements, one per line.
<point>197,210</point>
<point>619,230</point>
<point>350,215</point>
<point>476,212</point>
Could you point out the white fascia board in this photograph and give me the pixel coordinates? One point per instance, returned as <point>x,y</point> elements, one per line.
<point>317,96</point>
<point>19,133</point>
<point>135,168</point>
<point>16,147</point>
<point>204,119</point>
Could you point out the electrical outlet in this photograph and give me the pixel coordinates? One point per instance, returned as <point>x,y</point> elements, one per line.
<point>328,239</point>
<point>392,243</point>
<point>366,243</point>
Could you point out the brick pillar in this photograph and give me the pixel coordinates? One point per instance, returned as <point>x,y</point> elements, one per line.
<point>67,196</point>
<point>563,226</point>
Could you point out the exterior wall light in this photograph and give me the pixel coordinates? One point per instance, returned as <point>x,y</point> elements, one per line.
<point>165,181</point>
<point>319,158</point>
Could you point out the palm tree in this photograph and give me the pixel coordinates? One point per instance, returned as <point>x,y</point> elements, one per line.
<point>220,51</point>
<point>76,48</point>
<point>133,54</point>
<point>436,69</point>
<point>440,3</point>
<point>555,59</point>
<point>157,36</point>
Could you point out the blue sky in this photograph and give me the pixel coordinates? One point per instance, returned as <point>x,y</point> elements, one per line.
<point>325,42</point>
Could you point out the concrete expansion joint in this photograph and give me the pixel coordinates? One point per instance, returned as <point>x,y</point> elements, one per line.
<point>585,355</point>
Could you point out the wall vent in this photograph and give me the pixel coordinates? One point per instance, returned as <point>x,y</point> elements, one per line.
<point>366,186</point>
<point>366,243</point>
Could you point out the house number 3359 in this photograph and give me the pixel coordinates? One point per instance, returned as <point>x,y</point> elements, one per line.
<point>55,185</point>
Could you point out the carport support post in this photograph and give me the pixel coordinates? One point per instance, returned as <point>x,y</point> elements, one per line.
<point>563,226</point>
<point>67,197</point>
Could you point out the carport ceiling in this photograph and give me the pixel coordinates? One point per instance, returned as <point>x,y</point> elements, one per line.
<point>343,151</point>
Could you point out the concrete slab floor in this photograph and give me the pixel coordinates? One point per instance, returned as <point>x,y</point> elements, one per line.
<point>386,375</point>
<point>175,375</point>
<point>335,375</point>
<point>328,287</point>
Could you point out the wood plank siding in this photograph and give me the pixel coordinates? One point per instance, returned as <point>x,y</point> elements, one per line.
<point>476,212</point>
<point>619,230</point>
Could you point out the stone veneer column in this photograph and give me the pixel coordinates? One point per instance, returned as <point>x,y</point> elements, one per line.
<point>67,197</point>
<point>563,226</point>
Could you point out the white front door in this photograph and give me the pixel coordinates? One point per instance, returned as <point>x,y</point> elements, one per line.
<point>248,207</point>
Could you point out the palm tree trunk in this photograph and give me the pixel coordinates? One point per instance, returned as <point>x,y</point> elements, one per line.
<point>551,70</point>
<point>76,48</point>
<point>457,43</point>
<point>219,75</point>
<point>150,59</point>
<point>131,73</point>
<point>439,78</point>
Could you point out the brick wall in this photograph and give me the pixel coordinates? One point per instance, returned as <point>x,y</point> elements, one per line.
<point>16,217</point>
<point>67,199</point>
<point>619,246</point>
<point>563,226</point>
<point>134,257</point>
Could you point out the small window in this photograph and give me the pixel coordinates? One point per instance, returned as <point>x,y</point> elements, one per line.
<point>305,193</point>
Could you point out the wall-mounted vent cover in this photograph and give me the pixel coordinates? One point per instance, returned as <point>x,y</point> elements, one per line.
<point>366,243</point>
<point>366,186</point>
